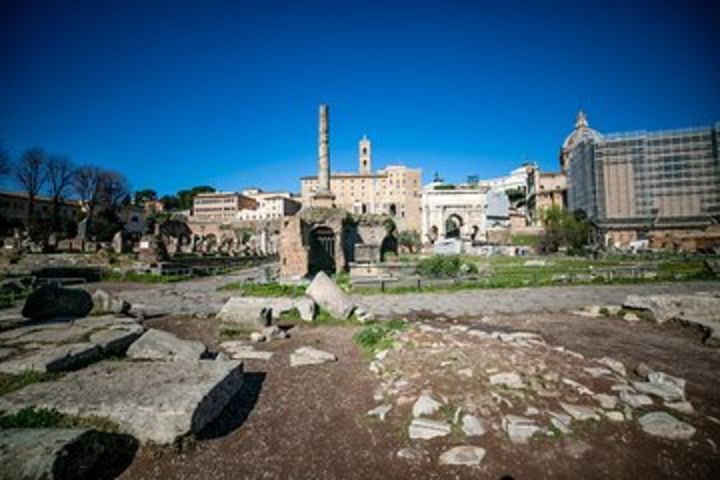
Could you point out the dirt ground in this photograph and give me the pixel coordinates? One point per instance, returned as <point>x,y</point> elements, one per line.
<point>310,422</point>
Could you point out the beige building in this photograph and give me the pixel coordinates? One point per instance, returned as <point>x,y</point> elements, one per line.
<point>545,190</point>
<point>270,205</point>
<point>395,190</point>
<point>220,206</point>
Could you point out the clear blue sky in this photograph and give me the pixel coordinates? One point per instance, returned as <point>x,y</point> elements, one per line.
<point>178,93</point>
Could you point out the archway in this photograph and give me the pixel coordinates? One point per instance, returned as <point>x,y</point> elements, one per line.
<point>322,251</point>
<point>452,226</point>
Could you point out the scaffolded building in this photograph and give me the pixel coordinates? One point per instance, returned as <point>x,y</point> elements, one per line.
<point>632,183</point>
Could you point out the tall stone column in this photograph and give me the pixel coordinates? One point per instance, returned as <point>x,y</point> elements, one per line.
<point>323,151</point>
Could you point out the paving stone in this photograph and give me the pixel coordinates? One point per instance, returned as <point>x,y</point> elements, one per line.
<point>153,401</point>
<point>667,392</point>
<point>507,379</point>
<point>425,405</point>
<point>519,429</point>
<point>240,351</point>
<point>608,402</point>
<point>579,412</point>
<point>635,400</point>
<point>615,365</point>
<point>463,455</point>
<point>423,428</point>
<point>662,424</point>
<point>684,407</point>
<point>53,359</point>
<point>615,416</point>
<point>472,426</point>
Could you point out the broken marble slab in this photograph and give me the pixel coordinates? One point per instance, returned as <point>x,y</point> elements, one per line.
<point>53,359</point>
<point>155,402</point>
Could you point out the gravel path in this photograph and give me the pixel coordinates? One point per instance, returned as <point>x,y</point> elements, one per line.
<point>520,300</point>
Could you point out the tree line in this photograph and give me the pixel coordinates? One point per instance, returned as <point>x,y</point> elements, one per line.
<point>101,191</point>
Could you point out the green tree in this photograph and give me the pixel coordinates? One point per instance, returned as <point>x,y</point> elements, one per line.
<point>142,196</point>
<point>409,239</point>
<point>564,230</point>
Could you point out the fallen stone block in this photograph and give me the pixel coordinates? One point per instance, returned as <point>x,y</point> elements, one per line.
<point>240,351</point>
<point>255,312</point>
<point>116,341</point>
<point>50,302</point>
<point>310,356</point>
<point>60,453</point>
<point>330,297</point>
<point>152,401</point>
<point>104,302</point>
<point>306,308</point>
<point>53,359</point>
<point>160,345</point>
<point>425,405</point>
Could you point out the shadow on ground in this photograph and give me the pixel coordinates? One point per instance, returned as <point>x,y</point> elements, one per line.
<point>238,409</point>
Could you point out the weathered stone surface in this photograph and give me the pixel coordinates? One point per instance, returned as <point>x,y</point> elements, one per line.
<point>53,359</point>
<point>160,345</point>
<point>6,352</point>
<point>57,453</point>
<point>463,455</point>
<point>330,297</point>
<point>425,405</point>
<point>310,356</point>
<point>152,401</point>
<point>519,429</point>
<point>116,340</point>
<point>615,416</point>
<point>240,351</point>
<point>254,312</point>
<point>425,429</point>
<point>615,365</point>
<point>669,380</point>
<point>306,308</point>
<point>273,332</point>
<point>104,302</point>
<point>668,392</point>
<point>662,424</point>
<point>684,407</point>
<point>472,426</point>
<point>560,421</point>
<point>507,379</point>
<point>608,402</point>
<point>635,400</point>
<point>49,302</point>
<point>579,412</point>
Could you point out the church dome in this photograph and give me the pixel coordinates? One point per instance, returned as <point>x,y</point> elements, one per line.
<point>582,132</point>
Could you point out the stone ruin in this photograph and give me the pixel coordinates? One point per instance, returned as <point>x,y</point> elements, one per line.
<point>331,240</point>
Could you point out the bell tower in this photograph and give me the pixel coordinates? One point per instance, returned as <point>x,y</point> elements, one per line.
<point>365,156</point>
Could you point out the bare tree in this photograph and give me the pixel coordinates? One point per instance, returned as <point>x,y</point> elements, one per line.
<point>60,173</point>
<point>86,182</point>
<point>30,174</point>
<point>114,188</point>
<point>4,161</point>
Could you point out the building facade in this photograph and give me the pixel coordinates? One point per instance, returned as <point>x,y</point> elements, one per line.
<point>545,190</point>
<point>220,206</point>
<point>631,183</point>
<point>395,190</point>
<point>14,208</point>
<point>270,205</point>
<point>453,211</point>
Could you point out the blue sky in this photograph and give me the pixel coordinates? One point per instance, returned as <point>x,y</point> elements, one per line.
<point>176,94</point>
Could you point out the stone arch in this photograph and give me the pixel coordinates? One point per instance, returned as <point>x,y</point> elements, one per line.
<point>453,226</point>
<point>322,250</point>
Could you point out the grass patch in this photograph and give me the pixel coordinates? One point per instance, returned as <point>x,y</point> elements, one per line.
<point>31,417</point>
<point>265,289</point>
<point>379,336</point>
<point>525,240</point>
<point>144,277</point>
<point>10,383</point>
<point>234,332</point>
